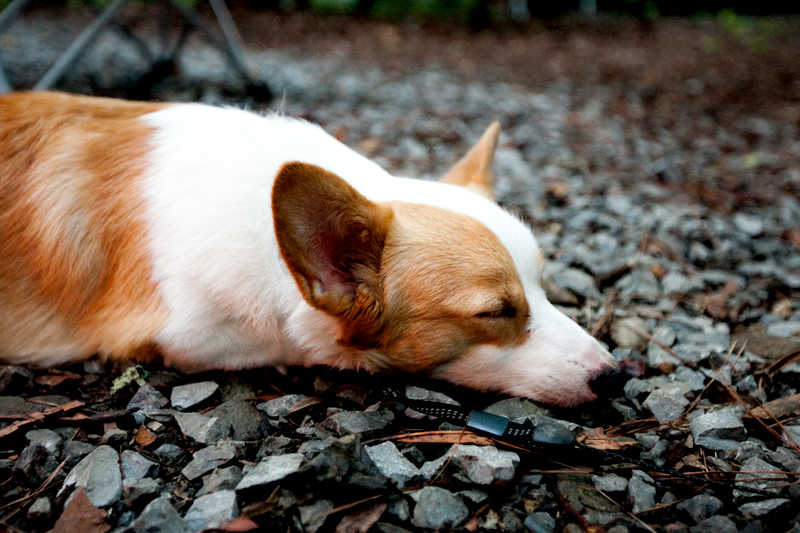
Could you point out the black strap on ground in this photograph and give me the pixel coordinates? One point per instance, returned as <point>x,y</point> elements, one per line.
<point>544,437</point>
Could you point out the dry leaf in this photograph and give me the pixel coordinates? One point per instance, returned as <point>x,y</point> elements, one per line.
<point>597,439</point>
<point>238,525</point>
<point>443,437</point>
<point>145,437</point>
<point>779,408</point>
<point>81,515</point>
<point>53,380</point>
<point>304,403</point>
<point>361,521</point>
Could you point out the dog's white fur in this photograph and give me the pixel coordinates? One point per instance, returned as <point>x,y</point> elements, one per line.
<point>231,302</point>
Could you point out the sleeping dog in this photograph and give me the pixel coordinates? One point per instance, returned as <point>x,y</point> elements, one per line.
<point>221,239</point>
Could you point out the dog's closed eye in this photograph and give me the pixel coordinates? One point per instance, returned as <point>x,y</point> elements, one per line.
<point>506,311</point>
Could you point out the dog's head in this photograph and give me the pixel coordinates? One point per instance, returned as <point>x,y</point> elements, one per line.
<point>440,280</point>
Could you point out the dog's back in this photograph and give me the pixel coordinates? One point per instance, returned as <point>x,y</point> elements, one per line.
<point>72,261</point>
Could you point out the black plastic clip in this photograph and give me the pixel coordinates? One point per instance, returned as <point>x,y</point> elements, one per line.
<point>488,423</point>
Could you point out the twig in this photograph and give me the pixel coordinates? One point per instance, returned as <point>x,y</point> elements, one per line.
<point>642,522</point>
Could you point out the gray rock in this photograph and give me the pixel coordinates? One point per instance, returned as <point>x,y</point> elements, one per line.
<point>270,470</point>
<point>145,400</point>
<point>639,283</point>
<point>40,511</point>
<point>763,471</point>
<point>577,281</point>
<point>160,517</point>
<point>50,440</point>
<point>540,523</point>
<point>188,396</point>
<point>760,509</point>
<point>75,450</point>
<point>99,475</point>
<point>641,491</point>
<point>518,410</point>
<point>221,479</point>
<point>139,491</point>
<point>700,507</point>
<point>676,283</point>
<point>437,508</point>
<point>358,422</point>
<point>749,225</point>
<point>720,429</point>
<point>313,516</point>
<point>279,407</point>
<point>136,466</point>
<point>15,406</point>
<point>171,454</point>
<point>656,355</point>
<point>785,329</point>
<point>208,459</point>
<point>212,510</point>
<point>484,465</point>
<point>418,393</point>
<point>666,404</point>
<point>204,429</point>
<point>549,431</point>
<point>610,483</point>
<point>716,524</point>
<point>624,333</point>
<point>392,463</point>
<point>245,420</point>
<point>114,437</point>
<point>14,379</point>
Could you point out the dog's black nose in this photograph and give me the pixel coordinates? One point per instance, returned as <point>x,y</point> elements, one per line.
<point>608,383</point>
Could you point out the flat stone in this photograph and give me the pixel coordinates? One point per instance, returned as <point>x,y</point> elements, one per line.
<point>610,483</point>
<point>221,479</point>
<point>720,429</point>
<point>50,440</point>
<point>549,431</point>
<point>540,523</point>
<point>212,510</point>
<point>785,329</point>
<point>716,524</point>
<point>313,516</point>
<point>204,429</point>
<point>14,379</point>
<point>759,509</point>
<point>160,517</point>
<point>146,399</point>
<point>192,394</point>
<point>666,404</point>
<point>208,459</point>
<point>518,410</point>
<point>485,465</point>
<point>577,281</point>
<point>244,419</point>
<point>139,491</point>
<point>14,406</point>
<point>418,393</point>
<point>41,510</point>
<point>642,491</point>
<point>75,450</point>
<point>171,454</point>
<point>624,333</point>
<point>270,470</point>
<point>662,335</point>
<point>749,225</point>
<point>700,507</point>
<point>758,468</point>
<point>99,475</point>
<point>279,407</point>
<point>358,422</point>
<point>136,466</point>
<point>392,463</point>
<point>437,508</point>
<point>677,283</point>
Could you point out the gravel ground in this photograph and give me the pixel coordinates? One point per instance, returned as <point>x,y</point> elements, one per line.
<point>667,206</point>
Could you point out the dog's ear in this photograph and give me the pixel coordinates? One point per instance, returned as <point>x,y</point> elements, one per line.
<point>332,239</point>
<point>474,170</point>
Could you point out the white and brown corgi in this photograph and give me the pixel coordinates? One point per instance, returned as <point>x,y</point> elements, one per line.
<point>224,239</point>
